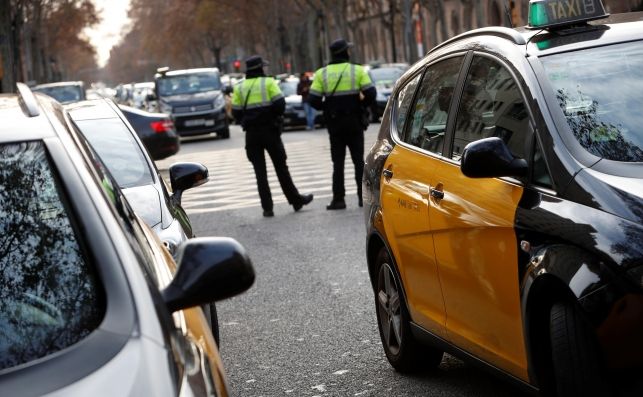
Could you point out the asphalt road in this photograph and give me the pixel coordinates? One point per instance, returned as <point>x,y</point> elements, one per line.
<point>307,327</point>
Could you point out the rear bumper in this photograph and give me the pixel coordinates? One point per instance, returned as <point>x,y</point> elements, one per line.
<point>162,145</point>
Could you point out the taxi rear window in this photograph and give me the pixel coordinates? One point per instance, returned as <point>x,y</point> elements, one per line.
<point>600,91</point>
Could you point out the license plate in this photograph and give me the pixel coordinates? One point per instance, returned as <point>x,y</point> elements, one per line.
<point>209,123</point>
<point>194,122</point>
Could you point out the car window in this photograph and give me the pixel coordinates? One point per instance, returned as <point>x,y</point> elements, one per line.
<point>403,103</point>
<point>118,149</point>
<point>600,91</point>
<point>429,113</point>
<point>50,296</point>
<point>63,94</point>
<point>289,87</point>
<point>491,106</point>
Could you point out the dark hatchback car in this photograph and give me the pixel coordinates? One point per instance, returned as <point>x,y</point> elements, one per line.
<point>194,99</point>
<point>156,130</point>
<point>91,303</point>
<point>504,204</point>
<point>64,91</point>
<point>103,125</point>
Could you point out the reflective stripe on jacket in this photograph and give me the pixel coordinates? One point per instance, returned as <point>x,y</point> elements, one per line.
<point>349,78</point>
<point>265,102</point>
<point>351,81</point>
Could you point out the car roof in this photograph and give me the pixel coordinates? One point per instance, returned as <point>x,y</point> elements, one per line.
<point>92,109</point>
<point>18,125</point>
<point>190,71</point>
<point>58,84</point>
<point>540,42</point>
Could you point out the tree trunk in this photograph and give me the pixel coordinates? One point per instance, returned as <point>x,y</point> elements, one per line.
<point>6,48</point>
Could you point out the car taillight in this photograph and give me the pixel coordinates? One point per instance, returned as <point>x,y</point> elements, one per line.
<point>162,126</point>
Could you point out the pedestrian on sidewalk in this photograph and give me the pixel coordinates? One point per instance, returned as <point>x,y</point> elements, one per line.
<point>343,90</point>
<point>303,89</point>
<point>259,105</point>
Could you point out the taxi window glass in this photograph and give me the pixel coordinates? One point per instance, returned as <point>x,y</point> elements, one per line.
<point>118,149</point>
<point>429,114</point>
<point>403,103</point>
<point>491,106</point>
<point>600,91</point>
<point>50,296</point>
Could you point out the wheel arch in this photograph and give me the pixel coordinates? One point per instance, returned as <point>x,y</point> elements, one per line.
<point>556,273</point>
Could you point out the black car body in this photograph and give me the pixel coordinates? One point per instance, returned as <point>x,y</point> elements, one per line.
<point>156,130</point>
<point>532,221</point>
<point>91,303</point>
<point>64,91</point>
<point>194,99</point>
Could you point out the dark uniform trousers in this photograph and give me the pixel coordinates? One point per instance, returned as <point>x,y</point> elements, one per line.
<point>346,131</point>
<point>258,140</point>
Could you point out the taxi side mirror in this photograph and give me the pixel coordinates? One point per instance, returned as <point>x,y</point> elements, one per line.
<point>491,158</point>
<point>209,269</point>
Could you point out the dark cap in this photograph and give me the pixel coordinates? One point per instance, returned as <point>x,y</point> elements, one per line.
<point>255,62</point>
<point>339,45</point>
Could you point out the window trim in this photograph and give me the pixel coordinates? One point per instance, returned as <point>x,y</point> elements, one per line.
<point>395,134</point>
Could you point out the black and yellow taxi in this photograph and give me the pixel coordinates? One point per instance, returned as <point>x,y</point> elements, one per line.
<point>504,203</point>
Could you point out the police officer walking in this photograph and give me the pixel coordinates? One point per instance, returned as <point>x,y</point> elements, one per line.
<point>343,90</point>
<point>259,105</point>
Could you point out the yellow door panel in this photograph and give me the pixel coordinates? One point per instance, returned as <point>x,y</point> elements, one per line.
<point>404,198</point>
<point>476,249</point>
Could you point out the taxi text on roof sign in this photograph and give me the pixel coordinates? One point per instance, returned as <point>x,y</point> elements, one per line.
<point>549,13</point>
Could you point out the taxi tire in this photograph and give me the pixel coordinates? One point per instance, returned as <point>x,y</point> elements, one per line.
<point>576,358</point>
<point>411,355</point>
<point>210,311</point>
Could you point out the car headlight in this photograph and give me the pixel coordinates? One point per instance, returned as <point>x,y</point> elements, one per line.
<point>165,108</point>
<point>219,102</point>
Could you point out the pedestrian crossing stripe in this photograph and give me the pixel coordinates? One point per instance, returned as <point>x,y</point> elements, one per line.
<point>232,184</point>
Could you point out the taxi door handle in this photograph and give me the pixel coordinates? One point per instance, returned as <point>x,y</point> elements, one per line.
<point>387,173</point>
<point>437,194</point>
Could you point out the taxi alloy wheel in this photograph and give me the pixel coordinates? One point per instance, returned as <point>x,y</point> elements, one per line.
<point>402,350</point>
<point>388,299</point>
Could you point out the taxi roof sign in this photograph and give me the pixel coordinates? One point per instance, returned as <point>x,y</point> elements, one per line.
<point>552,13</point>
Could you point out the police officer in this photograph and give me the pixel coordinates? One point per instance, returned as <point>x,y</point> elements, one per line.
<point>259,105</point>
<point>343,91</point>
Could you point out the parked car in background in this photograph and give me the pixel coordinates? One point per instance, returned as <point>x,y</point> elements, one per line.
<point>63,92</point>
<point>194,99</point>
<point>156,130</point>
<point>91,303</point>
<point>118,145</point>
<point>384,79</point>
<point>140,94</point>
<point>294,115</point>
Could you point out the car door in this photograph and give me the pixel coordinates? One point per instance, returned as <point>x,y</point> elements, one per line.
<point>405,187</point>
<point>472,222</point>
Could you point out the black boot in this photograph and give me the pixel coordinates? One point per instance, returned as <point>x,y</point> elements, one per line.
<point>303,200</point>
<point>336,204</point>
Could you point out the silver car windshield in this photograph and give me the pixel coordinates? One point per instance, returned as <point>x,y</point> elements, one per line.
<point>600,91</point>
